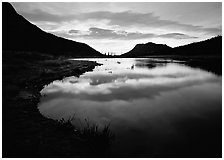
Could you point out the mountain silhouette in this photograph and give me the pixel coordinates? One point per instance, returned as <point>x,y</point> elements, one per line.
<point>212,47</point>
<point>18,34</point>
<point>141,50</point>
<point>209,47</point>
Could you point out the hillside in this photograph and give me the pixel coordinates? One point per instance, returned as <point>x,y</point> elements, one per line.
<point>211,47</point>
<point>18,34</point>
<point>141,50</point>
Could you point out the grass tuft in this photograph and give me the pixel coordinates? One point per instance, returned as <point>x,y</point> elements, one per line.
<point>99,139</point>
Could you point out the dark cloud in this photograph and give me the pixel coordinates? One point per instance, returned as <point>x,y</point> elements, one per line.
<point>73,31</point>
<point>176,36</point>
<point>217,31</point>
<point>98,33</point>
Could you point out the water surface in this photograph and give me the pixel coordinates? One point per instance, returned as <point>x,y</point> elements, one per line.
<point>155,107</point>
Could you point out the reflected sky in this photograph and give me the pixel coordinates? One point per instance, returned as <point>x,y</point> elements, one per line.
<point>145,100</point>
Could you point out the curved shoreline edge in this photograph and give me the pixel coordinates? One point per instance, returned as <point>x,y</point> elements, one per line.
<point>26,133</point>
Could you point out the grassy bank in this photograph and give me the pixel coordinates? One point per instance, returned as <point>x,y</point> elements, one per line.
<point>26,133</point>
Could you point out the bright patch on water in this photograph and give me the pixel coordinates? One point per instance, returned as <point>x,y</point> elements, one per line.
<point>150,104</point>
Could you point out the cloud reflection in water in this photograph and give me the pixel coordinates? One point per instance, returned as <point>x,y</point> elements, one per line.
<point>147,101</point>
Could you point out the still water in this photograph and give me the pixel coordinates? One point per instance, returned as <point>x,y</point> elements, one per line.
<point>155,107</point>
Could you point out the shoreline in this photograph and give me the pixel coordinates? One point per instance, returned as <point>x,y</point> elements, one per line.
<point>27,133</point>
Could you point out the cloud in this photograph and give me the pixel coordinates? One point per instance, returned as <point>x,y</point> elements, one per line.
<point>38,15</point>
<point>129,18</point>
<point>113,34</point>
<point>99,33</point>
<point>176,36</point>
<point>73,31</point>
<point>122,19</point>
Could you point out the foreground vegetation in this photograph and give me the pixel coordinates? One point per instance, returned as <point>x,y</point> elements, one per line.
<point>26,133</point>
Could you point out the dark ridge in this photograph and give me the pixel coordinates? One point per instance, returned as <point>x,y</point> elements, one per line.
<point>141,50</point>
<point>212,47</point>
<point>18,34</point>
<point>209,47</point>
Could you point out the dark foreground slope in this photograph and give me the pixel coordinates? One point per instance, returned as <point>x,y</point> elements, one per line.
<point>142,50</point>
<point>27,66</point>
<point>20,35</point>
<point>25,132</point>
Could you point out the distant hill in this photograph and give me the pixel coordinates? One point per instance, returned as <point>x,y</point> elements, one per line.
<point>18,34</point>
<point>141,50</point>
<point>210,47</point>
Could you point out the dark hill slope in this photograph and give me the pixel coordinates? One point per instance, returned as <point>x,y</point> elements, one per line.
<point>18,34</point>
<point>212,47</point>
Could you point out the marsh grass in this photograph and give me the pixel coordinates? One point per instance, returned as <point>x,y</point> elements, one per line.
<point>92,132</point>
<point>99,138</point>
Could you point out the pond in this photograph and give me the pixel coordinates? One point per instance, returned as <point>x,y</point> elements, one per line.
<point>155,107</point>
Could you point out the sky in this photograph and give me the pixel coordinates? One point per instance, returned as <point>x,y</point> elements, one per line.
<point>118,26</point>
